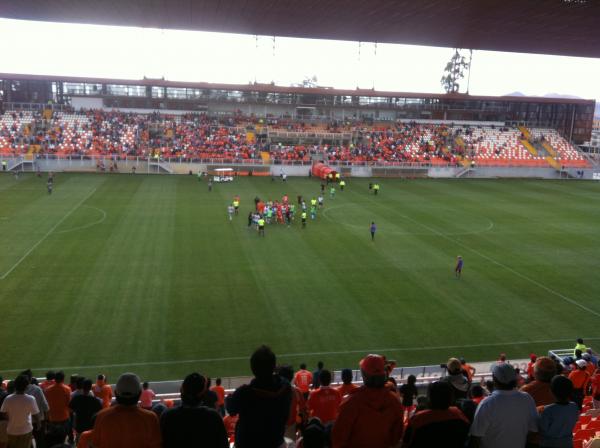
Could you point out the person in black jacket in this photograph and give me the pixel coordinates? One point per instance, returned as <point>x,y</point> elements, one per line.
<point>263,405</point>
<point>192,424</point>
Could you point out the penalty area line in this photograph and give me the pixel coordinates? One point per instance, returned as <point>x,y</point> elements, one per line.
<point>299,355</point>
<point>47,234</point>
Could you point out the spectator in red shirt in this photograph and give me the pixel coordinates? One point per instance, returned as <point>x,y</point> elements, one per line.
<point>324,402</point>
<point>539,389</point>
<point>220,392</point>
<point>347,385</point>
<point>531,367</point>
<point>103,391</point>
<point>372,416</point>
<point>303,380</point>
<point>49,381</point>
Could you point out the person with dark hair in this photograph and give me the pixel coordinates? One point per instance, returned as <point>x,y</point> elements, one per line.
<point>49,381</point>
<point>103,391</point>
<point>84,406</point>
<point>372,415</point>
<point>126,425</point>
<point>409,393</point>
<point>59,396</point>
<point>440,425</point>
<point>298,410</point>
<point>505,418</point>
<point>147,396</point>
<point>39,430</point>
<point>315,376</point>
<point>558,419</point>
<point>580,379</point>
<point>324,402</point>
<point>477,394</point>
<point>314,435</point>
<point>580,346</point>
<point>302,380</point>
<point>347,385</point>
<point>19,408</point>
<point>263,405</point>
<point>544,370</point>
<point>220,393</point>
<point>191,423</point>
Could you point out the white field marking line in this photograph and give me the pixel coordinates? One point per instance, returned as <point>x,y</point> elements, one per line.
<point>88,225</point>
<point>297,355</point>
<point>502,265</point>
<point>54,227</point>
<point>394,232</point>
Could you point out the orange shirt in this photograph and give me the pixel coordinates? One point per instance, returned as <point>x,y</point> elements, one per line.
<point>595,380</point>
<point>468,370</point>
<point>230,421</point>
<point>324,403</point>
<point>220,391</point>
<point>85,439</point>
<point>58,397</point>
<point>580,378</point>
<point>104,392</point>
<point>126,427</point>
<point>297,407</point>
<point>346,389</point>
<point>303,380</point>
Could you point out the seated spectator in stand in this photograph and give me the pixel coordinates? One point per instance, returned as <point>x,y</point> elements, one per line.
<point>324,402</point>
<point>371,416</point>
<point>505,418</point>
<point>147,396</point>
<point>103,391</point>
<point>544,370</point>
<point>303,380</point>
<point>440,425</point>
<point>126,425</point>
<point>20,410</point>
<point>558,419</point>
<point>456,379</point>
<point>477,394</point>
<point>220,393</point>
<point>263,405</point>
<point>59,396</point>
<point>347,385</point>
<point>580,379</point>
<point>84,406</point>
<point>192,424</point>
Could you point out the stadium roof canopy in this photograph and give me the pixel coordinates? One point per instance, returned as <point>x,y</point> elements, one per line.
<point>565,27</point>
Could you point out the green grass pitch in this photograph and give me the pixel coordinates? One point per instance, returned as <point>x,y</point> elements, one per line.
<point>145,273</point>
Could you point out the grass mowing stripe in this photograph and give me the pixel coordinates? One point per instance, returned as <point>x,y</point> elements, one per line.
<point>69,213</point>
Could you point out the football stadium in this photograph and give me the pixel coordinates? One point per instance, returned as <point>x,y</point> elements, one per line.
<point>201,262</point>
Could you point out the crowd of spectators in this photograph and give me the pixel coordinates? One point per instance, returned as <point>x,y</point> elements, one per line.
<point>282,408</point>
<point>239,138</point>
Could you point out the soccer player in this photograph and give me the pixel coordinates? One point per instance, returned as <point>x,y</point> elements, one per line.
<point>303,218</point>
<point>209,186</point>
<point>49,186</point>
<point>313,202</point>
<point>332,192</point>
<point>313,212</point>
<point>230,211</point>
<point>373,230</point>
<point>459,266</point>
<point>320,199</point>
<point>249,219</point>
<point>376,189</point>
<point>261,226</point>
<point>236,204</point>
<point>342,184</point>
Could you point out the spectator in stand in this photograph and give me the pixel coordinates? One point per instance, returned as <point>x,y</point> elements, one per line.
<point>192,424</point>
<point>595,383</point>
<point>303,379</point>
<point>49,381</point>
<point>371,416</point>
<point>557,420</point>
<point>220,393</point>
<point>59,396</point>
<point>20,409</point>
<point>440,425</point>
<point>103,391</point>
<point>263,405</point>
<point>84,406</point>
<point>477,394</point>
<point>3,421</point>
<point>73,381</point>
<point>347,385</point>
<point>314,435</point>
<point>147,396</point>
<point>126,425</point>
<point>456,379</point>
<point>593,357</point>
<point>39,430</point>
<point>590,367</point>
<point>409,393</point>
<point>580,379</point>
<point>209,398</point>
<point>544,370</point>
<point>325,401</point>
<point>468,370</point>
<point>531,367</point>
<point>298,410</point>
<point>505,418</point>
<point>315,375</point>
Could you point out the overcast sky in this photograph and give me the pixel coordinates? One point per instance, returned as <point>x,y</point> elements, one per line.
<point>132,53</point>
